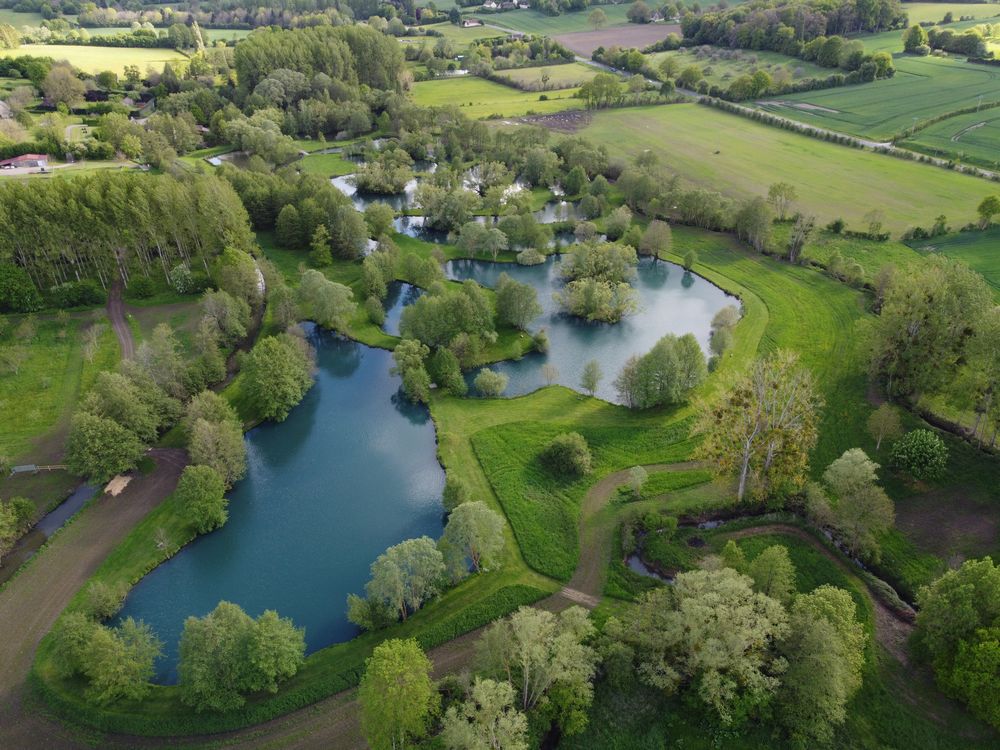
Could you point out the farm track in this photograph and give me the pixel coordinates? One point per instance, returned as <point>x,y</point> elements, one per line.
<point>31,602</point>
<point>116,313</point>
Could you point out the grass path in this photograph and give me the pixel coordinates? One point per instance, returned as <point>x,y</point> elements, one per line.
<point>116,313</point>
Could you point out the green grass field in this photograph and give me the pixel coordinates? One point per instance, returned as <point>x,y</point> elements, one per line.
<point>46,385</point>
<point>934,12</point>
<point>973,138</point>
<point>536,22</point>
<point>566,76</point>
<point>17,20</point>
<point>740,158</point>
<point>721,66</point>
<point>95,59</point>
<point>456,34</point>
<point>922,87</point>
<point>979,250</point>
<point>478,98</point>
<point>326,165</point>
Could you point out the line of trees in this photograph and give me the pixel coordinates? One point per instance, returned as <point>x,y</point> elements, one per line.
<point>106,226</point>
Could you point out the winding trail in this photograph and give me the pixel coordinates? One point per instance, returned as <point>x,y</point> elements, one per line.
<point>32,601</point>
<point>116,313</point>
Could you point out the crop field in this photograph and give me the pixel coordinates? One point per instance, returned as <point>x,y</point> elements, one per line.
<point>922,87</point>
<point>979,250</point>
<point>479,98</point>
<point>566,76</point>
<point>535,22</point>
<point>740,158</point>
<point>584,43</point>
<point>720,66</point>
<point>96,59</point>
<point>973,137</point>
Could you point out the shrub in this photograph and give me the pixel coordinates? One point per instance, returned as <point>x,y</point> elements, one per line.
<point>490,383</point>
<point>181,279</point>
<point>17,293</point>
<point>921,453</point>
<point>375,310</point>
<point>84,293</point>
<point>568,453</point>
<point>141,287</point>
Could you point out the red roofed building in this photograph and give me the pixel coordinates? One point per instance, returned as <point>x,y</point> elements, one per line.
<point>26,160</point>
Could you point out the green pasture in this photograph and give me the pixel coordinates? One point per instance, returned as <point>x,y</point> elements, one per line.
<point>979,250</point>
<point>934,12</point>
<point>326,165</point>
<point>565,76</point>
<point>721,66</point>
<point>923,87</point>
<point>457,34</point>
<point>740,158</point>
<point>17,20</point>
<point>478,98</point>
<point>536,22</point>
<point>96,59</point>
<point>973,138</point>
<point>47,382</point>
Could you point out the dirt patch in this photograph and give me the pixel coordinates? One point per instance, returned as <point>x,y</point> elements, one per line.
<point>951,523</point>
<point>584,43</point>
<point>564,122</point>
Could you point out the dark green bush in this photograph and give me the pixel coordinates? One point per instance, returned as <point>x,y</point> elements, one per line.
<point>921,453</point>
<point>17,292</point>
<point>568,454</point>
<point>84,293</point>
<point>141,287</point>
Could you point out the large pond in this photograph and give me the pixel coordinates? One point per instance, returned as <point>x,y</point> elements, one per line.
<point>351,472</point>
<point>670,301</point>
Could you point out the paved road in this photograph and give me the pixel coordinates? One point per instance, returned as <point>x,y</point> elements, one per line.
<point>31,602</point>
<point>116,312</point>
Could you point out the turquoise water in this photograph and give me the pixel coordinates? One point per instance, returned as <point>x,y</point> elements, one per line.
<point>351,472</point>
<point>670,301</point>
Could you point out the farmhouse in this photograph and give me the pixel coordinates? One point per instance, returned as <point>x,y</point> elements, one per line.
<point>468,23</point>
<point>491,5</point>
<point>26,160</point>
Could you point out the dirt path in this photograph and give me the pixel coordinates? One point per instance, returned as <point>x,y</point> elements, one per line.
<point>890,631</point>
<point>116,313</point>
<point>31,602</point>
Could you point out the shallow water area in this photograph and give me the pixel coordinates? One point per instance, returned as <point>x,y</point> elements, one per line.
<point>350,472</point>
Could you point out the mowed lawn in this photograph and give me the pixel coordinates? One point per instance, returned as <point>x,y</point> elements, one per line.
<point>559,76</point>
<point>456,33</point>
<point>923,87</point>
<point>96,59</point>
<point>973,137</point>
<point>478,98</point>
<point>741,158</point>
<point>979,250</point>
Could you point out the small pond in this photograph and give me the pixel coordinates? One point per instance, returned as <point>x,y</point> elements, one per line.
<point>670,301</point>
<point>351,472</point>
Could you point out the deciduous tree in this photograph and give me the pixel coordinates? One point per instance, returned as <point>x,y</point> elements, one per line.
<point>397,696</point>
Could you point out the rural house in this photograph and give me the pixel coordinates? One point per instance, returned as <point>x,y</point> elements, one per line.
<point>26,160</point>
<point>468,23</point>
